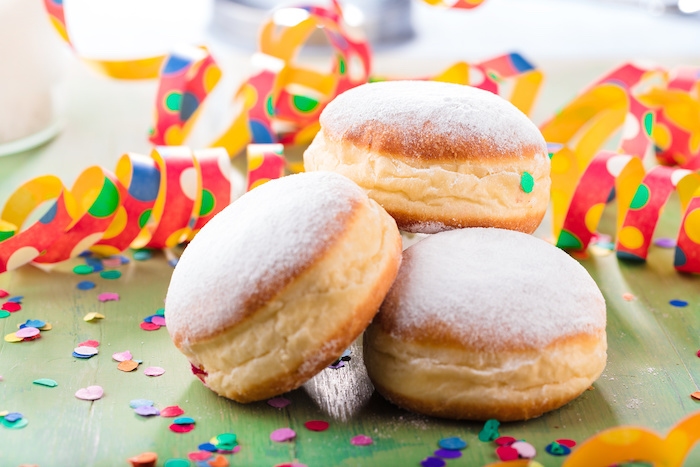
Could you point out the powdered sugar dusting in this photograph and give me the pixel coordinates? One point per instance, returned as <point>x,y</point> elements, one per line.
<point>253,247</point>
<point>493,289</point>
<point>446,110</point>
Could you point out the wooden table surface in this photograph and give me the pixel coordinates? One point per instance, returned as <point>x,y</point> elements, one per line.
<point>652,364</point>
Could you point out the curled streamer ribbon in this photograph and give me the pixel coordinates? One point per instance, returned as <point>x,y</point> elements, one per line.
<point>631,444</point>
<point>583,176</point>
<point>107,212</point>
<point>466,4</point>
<point>265,162</point>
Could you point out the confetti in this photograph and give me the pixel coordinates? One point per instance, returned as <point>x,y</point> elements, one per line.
<point>278,402</point>
<point>112,262</point>
<point>16,425</point>
<point>226,441</point>
<point>136,403</point>
<point>89,343</point>
<point>292,464</point>
<point>569,443</point>
<point>13,416</point>
<point>432,462</point>
<point>45,382</point>
<point>153,371</point>
<point>664,242</point>
<point>199,456</point>
<point>171,411</point>
<point>4,293</point>
<point>678,303</point>
<point>218,461</point>
<point>27,332</point>
<point>177,463</point>
<point>146,411</point>
<point>108,297</point>
<point>11,307</point>
<point>158,320</point>
<point>698,354</point>
<point>33,323</point>
<point>93,316</point>
<point>447,454</point>
<point>361,440</point>
<point>628,296</point>
<point>12,338</point>
<point>4,313</point>
<point>149,326</point>
<point>142,255</point>
<point>110,274</point>
<point>316,425</point>
<point>696,395</point>
<point>453,444</point>
<point>127,366</point>
<point>506,453</point>
<point>84,357</point>
<point>160,311</point>
<point>183,421</point>
<point>283,434</point>
<point>505,440</point>
<point>557,449</point>
<point>86,351</point>
<point>145,459</point>
<point>181,428</point>
<point>490,431</point>
<point>122,356</point>
<point>90,393</point>
<point>86,285</point>
<point>83,269</point>
<point>46,327</point>
<point>527,183</point>
<point>207,447</point>
<point>525,450</point>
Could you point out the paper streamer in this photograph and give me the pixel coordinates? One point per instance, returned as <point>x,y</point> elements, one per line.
<point>465,4</point>
<point>155,202</point>
<point>265,162</point>
<point>583,176</point>
<point>187,77</point>
<point>281,101</point>
<point>143,68</point>
<point>625,444</point>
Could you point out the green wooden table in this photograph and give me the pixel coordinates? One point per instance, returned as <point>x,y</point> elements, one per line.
<point>652,364</point>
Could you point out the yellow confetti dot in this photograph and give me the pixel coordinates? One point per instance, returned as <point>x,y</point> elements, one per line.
<point>92,316</point>
<point>631,237</point>
<point>561,163</point>
<point>692,225</point>
<point>3,413</point>
<point>593,216</point>
<point>12,338</point>
<point>47,327</point>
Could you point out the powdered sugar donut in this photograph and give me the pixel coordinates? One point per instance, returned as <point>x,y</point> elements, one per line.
<point>437,156</point>
<point>487,323</point>
<point>275,287</point>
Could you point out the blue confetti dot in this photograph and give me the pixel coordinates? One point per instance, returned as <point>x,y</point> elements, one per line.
<point>184,421</point>
<point>33,323</point>
<point>142,255</point>
<point>17,299</point>
<point>207,447</point>
<point>678,303</point>
<point>173,262</point>
<point>135,403</point>
<point>432,462</point>
<point>86,285</point>
<point>557,449</point>
<point>84,357</point>
<point>13,416</point>
<point>454,443</point>
<point>448,453</point>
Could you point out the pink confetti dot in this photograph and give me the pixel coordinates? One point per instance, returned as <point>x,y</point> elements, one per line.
<point>4,293</point>
<point>507,453</point>
<point>181,428</point>
<point>199,456</point>
<point>149,326</point>
<point>569,443</point>
<point>316,425</point>
<point>89,344</point>
<point>27,332</point>
<point>172,411</point>
<point>283,434</point>
<point>153,371</point>
<point>628,296</point>
<point>279,402</point>
<point>525,450</point>
<point>361,440</point>
<point>112,262</point>
<point>505,440</point>
<point>90,393</point>
<point>108,297</point>
<point>122,356</point>
<point>158,320</point>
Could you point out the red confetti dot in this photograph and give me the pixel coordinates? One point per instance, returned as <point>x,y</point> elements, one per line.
<point>504,440</point>
<point>149,326</point>
<point>31,338</point>
<point>507,453</point>
<point>696,395</point>
<point>4,293</point>
<point>11,307</point>
<point>199,455</point>
<point>698,353</point>
<point>172,411</point>
<point>89,344</point>
<point>316,425</point>
<point>182,428</point>
<point>569,443</point>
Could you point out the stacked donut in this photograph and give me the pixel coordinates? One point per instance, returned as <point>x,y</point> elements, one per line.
<point>474,322</point>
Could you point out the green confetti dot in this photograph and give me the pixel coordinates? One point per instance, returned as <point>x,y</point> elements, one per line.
<point>110,274</point>
<point>648,122</point>
<point>568,240</point>
<point>305,104</point>
<point>177,463</point>
<point>83,269</point>
<point>207,203</point>
<point>490,431</point>
<point>641,197</point>
<point>16,425</point>
<point>4,314</point>
<point>160,311</point>
<point>45,382</point>
<point>5,234</point>
<point>226,441</point>
<point>527,183</point>
<point>107,201</point>
<point>173,101</point>
<point>143,218</point>
<point>142,255</point>
<point>341,64</point>
<point>270,108</point>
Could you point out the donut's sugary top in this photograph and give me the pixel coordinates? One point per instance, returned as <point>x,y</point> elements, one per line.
<point>253,248</point>
<point>431,120</point>
<point>491,289</point>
